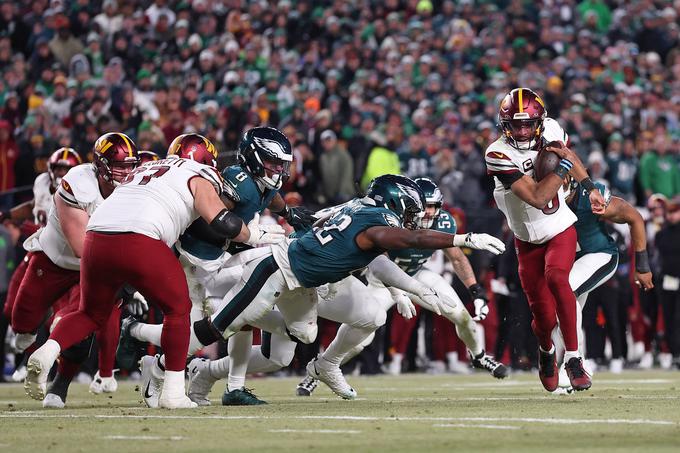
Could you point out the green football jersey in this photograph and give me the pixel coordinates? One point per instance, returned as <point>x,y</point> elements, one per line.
<point>590,230</point>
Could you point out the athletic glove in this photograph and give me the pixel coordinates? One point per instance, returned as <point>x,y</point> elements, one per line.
<point>300,218</point>
<point>431,298</point>
<point>264,234</point>
<point>404,305</point>
<point>479,241</point>
<point>480,302</point>
<point>137,305</point>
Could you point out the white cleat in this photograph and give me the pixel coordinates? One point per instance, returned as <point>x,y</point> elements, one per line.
<point>53,401</point>
<point>152,380</point>
<point>665,360</point>
<point>180,402</point>
<point>19,374</point>
<point>647,361</point>
<point>331,375</point>
<point>35,383</point>
<point>200,381</point>
<point>616,366</point>
<point>103,384</point>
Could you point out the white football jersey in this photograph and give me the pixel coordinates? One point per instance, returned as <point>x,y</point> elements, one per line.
<point>79,189</point>
<point>155,200</point>
<point>526,222</point>
<point>42,198</point>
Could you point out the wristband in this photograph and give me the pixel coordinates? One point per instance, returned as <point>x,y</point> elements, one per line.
<point>642,262</point>
<point>588,184</point>
<point>563,168</point>
<point>285,212</point>
<point>475,290</point>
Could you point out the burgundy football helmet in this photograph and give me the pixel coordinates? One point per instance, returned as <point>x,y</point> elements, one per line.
<point>60,162</point>
<point>194,147</point>
<point>115,156</point>
<point>521,116</point>
<point>147,156</point>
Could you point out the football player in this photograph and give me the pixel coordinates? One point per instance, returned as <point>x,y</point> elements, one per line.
<point>542,223</point>
<point>412,261</point>
<point>349,240</point>
<point>128,240</point>
<point>597,257</point>
<point>147,156</point>
<point>264,158</point>
<point>55,250</point>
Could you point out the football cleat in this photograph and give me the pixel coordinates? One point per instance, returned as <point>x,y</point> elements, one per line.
<point>37,369</point>
<point>484,361</point>
<point>53,401</point>
<point>200,381</point>
<point>307,386</point>
<point>152,380</point>
<point>241,397</point>
<point>179,402</point>
<point>579,378</point>
<point>128,346</point>
<point>331,375</point>
<point>547,370</point>
<point>103,384</point>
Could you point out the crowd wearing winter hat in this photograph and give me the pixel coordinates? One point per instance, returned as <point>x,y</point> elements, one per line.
<point>361,88</point>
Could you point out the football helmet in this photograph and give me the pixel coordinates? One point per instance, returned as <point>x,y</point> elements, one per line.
<point>115,156</point>
<point>147,156</point>
<point>520,118</point>
<point>194,147</point>
<point>400,195</point>
<point>60,162</point>
<point>266,154</point>
<point>433,199</point>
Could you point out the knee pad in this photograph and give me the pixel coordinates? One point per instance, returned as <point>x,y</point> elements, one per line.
<point>79,352</point>
<point>380,319</point>
<point>304,332</point>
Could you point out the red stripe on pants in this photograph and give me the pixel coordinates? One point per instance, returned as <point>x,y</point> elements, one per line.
<point>108,261</point>
<point>544,273</point>
<point>43,284</point>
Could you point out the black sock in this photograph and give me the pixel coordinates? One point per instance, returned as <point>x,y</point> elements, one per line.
<point>60,386</point>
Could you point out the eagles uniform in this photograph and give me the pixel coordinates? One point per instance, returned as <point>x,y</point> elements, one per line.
<point>53,268</point>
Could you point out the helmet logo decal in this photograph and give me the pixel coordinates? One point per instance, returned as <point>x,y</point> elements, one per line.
<point>105,145</point>
<point>273,146</point>
<point>412,193</point>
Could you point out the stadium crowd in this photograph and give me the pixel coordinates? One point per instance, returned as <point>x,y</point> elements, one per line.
<point>365,88</point>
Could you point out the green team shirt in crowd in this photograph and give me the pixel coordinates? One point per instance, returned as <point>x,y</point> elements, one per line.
<point>590,229</point>
<point>329,253</point>
<point>248,199</point>
<point>412,260</point>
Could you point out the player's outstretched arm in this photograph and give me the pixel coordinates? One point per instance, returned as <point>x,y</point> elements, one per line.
<point>620,211</point>
<point>463,269</point>
<point>580,174</point>
<point>390,238</point>
<point>73,222</point>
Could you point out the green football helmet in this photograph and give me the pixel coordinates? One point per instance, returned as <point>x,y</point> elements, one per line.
<point>400,195</point>
<point>433,199</point>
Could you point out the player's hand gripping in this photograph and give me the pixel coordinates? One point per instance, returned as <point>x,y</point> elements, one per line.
<point>479,241</point>
<point>264,234</point>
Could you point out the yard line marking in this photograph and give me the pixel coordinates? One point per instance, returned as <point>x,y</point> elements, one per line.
<point>491,385</point>
<point>463,425</point>
<point>558,421</point>
<point>316,431</point>
<point>144,437</point>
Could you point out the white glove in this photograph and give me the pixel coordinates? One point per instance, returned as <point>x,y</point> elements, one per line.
<point>431,298</point>
<point>327,292</point>
<point>404,305</point>
<point>137,306</point>
<point>264,234</point>
<point>479,241</point>
<point>481,309</point>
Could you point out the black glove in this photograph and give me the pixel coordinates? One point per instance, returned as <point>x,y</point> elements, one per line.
<point>299,217</point>
<point>480,301</point>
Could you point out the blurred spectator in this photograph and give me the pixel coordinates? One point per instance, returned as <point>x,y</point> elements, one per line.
<point>337,169</point>
<point>64,45</point>
<point>622,163</point>
<point>659,172</point>
<point>9,152</point>
<point>381,160</point>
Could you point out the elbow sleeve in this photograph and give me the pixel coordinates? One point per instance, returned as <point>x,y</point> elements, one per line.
<point>227,224</point>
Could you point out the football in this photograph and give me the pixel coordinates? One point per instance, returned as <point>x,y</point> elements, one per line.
<point>546,161</point>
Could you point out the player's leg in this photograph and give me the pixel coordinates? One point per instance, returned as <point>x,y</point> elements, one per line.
<point>107,338</point>
<point>43,284</point>
<point>542,306</point>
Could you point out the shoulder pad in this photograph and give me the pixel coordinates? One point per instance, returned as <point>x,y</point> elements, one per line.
<point>79,186</point>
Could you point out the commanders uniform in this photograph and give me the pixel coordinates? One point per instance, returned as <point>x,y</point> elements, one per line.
<point>128,241</point>
<point>545,238</point>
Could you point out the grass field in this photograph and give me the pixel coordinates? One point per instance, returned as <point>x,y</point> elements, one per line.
<point>636,411</point>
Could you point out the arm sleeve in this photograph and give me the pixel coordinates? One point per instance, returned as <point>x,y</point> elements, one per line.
<point>390,274</point>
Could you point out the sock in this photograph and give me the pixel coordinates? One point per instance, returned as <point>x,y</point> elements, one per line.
<point>239,352</point>
<point>147,332</point>
<point>345,340</point>
<point>23,341</point>
<point>173,384</point>
<point>397,358</point>
<point>551,351</point>
<point>571,354</point>
<point>219,369</point>
<point>452,357</point>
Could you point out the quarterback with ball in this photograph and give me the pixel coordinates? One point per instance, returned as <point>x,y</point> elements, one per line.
<point>543,224</point>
